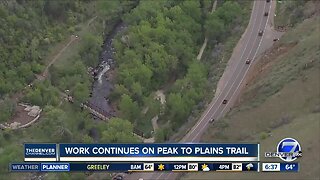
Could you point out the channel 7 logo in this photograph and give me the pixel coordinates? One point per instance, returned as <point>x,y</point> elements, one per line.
<point>288,150</point>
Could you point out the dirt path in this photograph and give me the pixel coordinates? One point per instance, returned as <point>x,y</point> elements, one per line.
<point>73,38</point>
<point>204,45</point>
<point>45,72</point>
<point>91,20</point>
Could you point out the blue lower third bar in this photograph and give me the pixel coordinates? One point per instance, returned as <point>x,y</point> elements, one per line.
<point>24,167</point>
<point>56,167</point>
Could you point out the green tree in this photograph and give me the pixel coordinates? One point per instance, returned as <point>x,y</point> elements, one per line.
<point>214,27</point>
<point>13,152</point>
<point>163,134</point>
<point>197,75</point>
<point>87,139</point>
<point>25,71</point>
<point>118,91</point>
<point>7,109</point>
<point>160,62</point>
<point>90,48</point>
<point>137,91</point>
<point>128,108</point>
<point>54,125</point>
<point>176,109</point>
<point>81,92</point>
<point>147,10</point>
<point>229,11</point>
<point>160,135</point>
<point>57,10</point>
<point>118,131</point>
<point>43,93</point>
<point>35,97</point>
<point>154,106</point>
<point>192,9</point>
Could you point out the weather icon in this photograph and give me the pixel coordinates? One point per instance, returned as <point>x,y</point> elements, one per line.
<point>205,167</point>
<point>161,167</point>
<point>249,166</point>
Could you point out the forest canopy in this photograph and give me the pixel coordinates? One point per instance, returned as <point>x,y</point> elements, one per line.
<point>159,51</point>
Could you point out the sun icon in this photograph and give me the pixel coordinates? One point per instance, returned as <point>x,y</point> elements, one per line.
<point>161,167</point>
<point>204,166</point>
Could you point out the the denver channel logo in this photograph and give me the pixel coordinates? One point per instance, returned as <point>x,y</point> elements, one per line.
<point>40,151</point>
<point>288,150</point>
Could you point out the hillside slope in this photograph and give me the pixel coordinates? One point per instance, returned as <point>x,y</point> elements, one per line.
<point>282,99</point>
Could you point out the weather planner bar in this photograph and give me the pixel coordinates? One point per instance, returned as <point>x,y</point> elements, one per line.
<point>133,167</point>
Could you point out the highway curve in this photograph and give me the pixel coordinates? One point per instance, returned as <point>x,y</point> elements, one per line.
<point>252,44</point>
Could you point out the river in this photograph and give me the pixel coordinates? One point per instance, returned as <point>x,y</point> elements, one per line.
<point>102,87</point>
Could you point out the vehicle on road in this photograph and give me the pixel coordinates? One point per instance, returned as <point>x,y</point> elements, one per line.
<point>118,177</point>
<point>266,14</point>
<point>276,39</point>
<point>211,120</point>
<point>268,1</point>
<point>260,33</point>
<point>224,101</point>
<point>248,61</point>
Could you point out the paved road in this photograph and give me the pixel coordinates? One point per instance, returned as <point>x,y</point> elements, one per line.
<point>252,45</point>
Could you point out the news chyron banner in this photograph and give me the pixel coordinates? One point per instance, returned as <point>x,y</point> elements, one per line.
<point>141,152</point>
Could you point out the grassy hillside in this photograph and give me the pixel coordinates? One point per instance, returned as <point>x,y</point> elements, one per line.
<point>282,100</point>
<point>289,13</point>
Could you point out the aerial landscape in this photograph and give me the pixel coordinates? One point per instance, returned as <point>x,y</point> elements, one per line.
<point>160,71</point>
